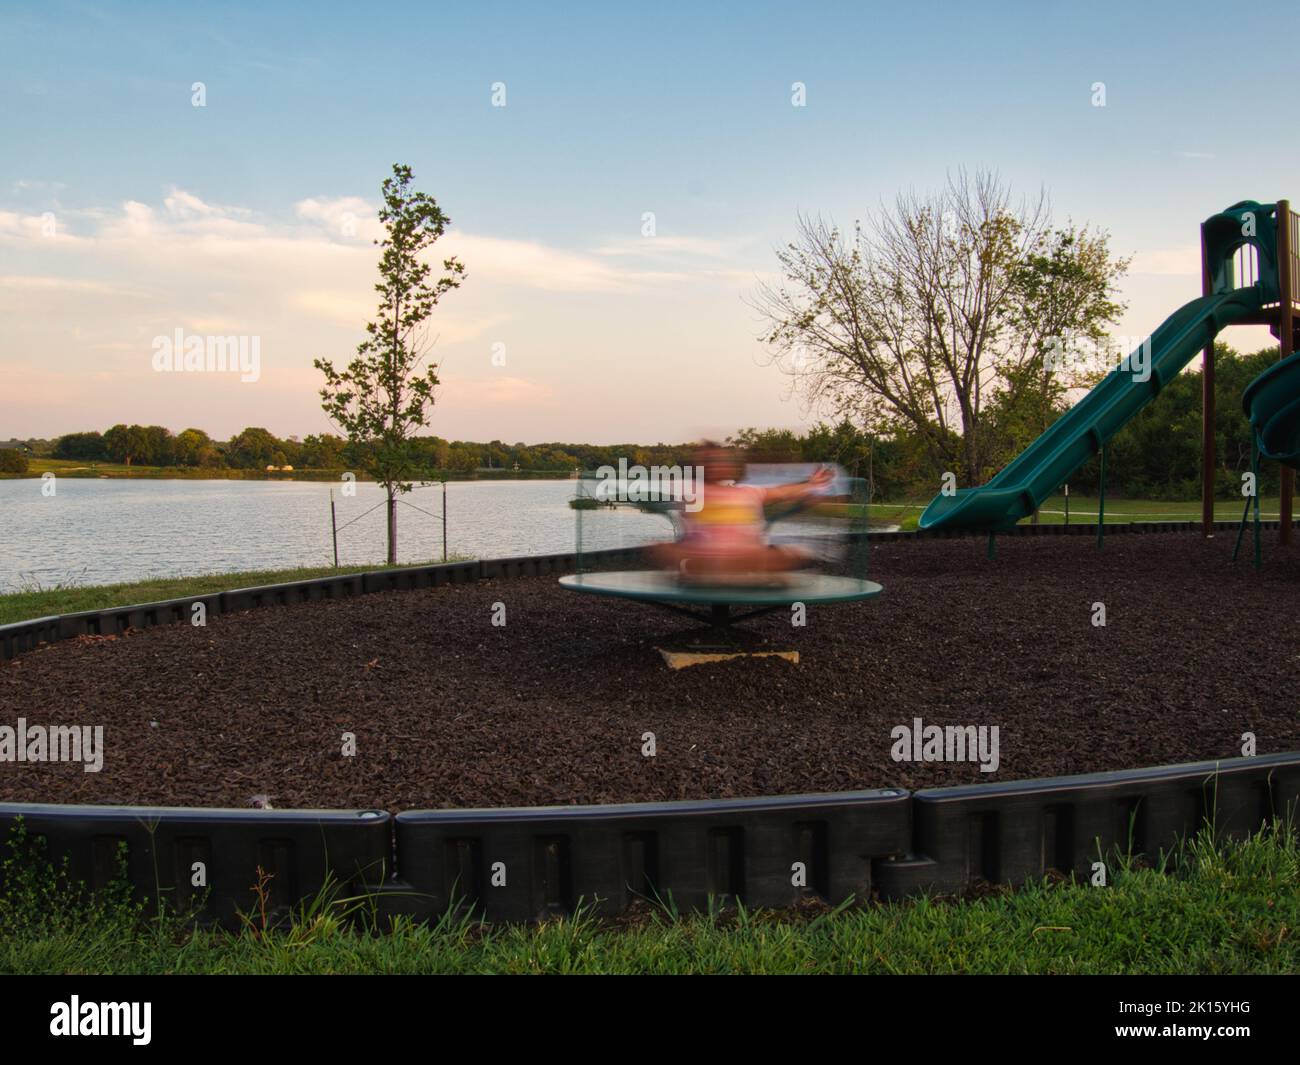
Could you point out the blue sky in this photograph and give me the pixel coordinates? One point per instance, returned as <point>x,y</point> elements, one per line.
<point>612,111</point>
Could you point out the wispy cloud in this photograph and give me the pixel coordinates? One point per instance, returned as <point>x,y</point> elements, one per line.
<point>697,247</point>
<point>26,283</point>
<point>339,231</point>
<point>101,283</point>
<point>498,392</point>
<point>1168,261</point>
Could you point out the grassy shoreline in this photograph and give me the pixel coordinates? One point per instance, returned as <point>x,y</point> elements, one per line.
<point>38,467</point>
<point>35,602</point>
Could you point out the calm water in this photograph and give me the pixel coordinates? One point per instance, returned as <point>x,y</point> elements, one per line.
<point>102,531</point>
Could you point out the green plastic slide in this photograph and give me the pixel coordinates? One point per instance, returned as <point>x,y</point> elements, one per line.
<point>1077,435</point>
<point>1272,403</point>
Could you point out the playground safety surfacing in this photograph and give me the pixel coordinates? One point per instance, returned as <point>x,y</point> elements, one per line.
<point>553,707</point>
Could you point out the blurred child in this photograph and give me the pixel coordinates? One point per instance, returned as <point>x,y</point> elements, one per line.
<point>725,541</point>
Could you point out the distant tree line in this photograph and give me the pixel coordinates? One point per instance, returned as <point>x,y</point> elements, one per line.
<point>255,448</point>
<point>155,445</point>
<point>1156,456</point>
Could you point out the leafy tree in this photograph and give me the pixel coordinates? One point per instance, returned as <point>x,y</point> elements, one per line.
<point>194,447</point>
<point>559,459</point>
<point>323,451</point>
<point>909,325</point>
<point>1065,303</point>
<point>86,446</point>
<point>768,445</point>
<point>12,460</point>
<point>126,444</point>
<point>253,449</point>
<point>385,393</point>
<point>462,459</point>
<point>159,446</point>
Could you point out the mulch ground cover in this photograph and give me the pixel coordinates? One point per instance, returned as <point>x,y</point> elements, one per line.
<point>553,707</point>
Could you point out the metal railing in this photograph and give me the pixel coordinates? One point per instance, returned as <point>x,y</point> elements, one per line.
<point>1245,265</point>
<point>1295,257</point>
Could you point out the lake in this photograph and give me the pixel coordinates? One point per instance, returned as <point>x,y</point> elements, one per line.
<point>100,531</point>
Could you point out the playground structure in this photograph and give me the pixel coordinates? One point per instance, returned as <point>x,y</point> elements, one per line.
<point>831,528</point>
<point>1250,257</point>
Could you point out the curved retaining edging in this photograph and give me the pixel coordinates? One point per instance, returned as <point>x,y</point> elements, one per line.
<point>187,855</point>
<point>775,852</point>
<point>529,863</point>
<point>1008,833</point>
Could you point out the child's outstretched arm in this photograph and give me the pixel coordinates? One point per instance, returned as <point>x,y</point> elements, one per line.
<point>800,490</point>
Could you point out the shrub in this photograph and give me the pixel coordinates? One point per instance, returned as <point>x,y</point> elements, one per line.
<point>12,460</point>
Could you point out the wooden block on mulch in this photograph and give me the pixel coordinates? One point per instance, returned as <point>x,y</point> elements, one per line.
<point>682,659</point>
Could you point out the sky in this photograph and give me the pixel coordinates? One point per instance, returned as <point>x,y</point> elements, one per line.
<point>127,212</point>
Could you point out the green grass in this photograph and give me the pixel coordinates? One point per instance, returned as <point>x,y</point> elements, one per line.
<point>1230,908</point>
<point>1083,511</point>
<point>84,469</point>
<point>35,602</point>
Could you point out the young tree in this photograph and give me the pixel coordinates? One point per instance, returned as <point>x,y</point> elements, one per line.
<point>910,325</point>
<point>385,394</point>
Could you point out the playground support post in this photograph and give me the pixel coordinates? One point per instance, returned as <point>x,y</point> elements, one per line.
<point>1241,529</point>
<point>1285,340</point>
<point>1254,467</point>
<point>1252,502</point>
<point>1208,460</point>
<point>1101,498</point>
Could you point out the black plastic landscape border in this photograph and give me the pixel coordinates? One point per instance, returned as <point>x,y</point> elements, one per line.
<point>206,861</point>
<point>530,863</point>
<point>533,863</point>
